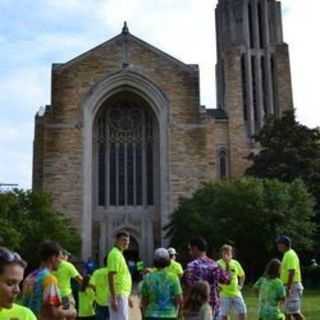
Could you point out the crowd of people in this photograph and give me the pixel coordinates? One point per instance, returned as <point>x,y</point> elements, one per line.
<point>205,290</point>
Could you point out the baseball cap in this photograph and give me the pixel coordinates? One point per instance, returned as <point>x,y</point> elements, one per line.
<point>161,253</point>
<point>172,251</point>
<point>284,240</point>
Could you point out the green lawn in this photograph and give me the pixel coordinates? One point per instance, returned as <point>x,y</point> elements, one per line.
<point>310,305</point>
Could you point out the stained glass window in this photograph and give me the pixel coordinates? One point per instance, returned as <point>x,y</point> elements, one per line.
<point>127,133</point>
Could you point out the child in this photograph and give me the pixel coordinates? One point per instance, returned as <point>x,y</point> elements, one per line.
<point>86,300</point>
<point>231,296</point>
<point>197,306</point>
<point>271,293</point>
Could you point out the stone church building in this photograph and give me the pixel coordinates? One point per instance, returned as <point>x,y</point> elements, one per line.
<point>125,135</point>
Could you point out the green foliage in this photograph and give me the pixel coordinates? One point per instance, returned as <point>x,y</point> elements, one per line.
<point>27,218</point>
<point>290,150</point>
<point>248,213</point>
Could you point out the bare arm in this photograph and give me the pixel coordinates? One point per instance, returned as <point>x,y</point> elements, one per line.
<point>290,280</point>
<point>179,303</point>
<point>111,281</point>
<point>79,279</point>
<point>144,303</point>
<point>242,281</point>
<point>60,313</point>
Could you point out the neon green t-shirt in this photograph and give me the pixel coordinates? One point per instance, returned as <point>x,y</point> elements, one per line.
<point>64,274</point>
<point>100,280</point>
<point>175,268</point>
<point>86,303</point>
<point>290,261</point>
<point>117,264</point>
<point>17,313</point>
<point>232,289</point>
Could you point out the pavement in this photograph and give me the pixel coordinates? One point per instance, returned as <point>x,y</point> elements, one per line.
<point>134,313</point>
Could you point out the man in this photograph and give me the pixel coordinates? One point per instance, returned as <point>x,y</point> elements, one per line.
<point>40,289</point>
<point>290,275</point>
<point>161,290</point>
<point>119,277</point>
<point>202,268</point>
<point>66,271</point>
<point>174,267</point>
<point>11,274</point>
<point>99,282</point>
<point>231,296</point>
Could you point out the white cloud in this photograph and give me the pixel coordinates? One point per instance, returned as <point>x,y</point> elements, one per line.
<point>300,28</point>
<point>16,153</point>
<point>182,28</point>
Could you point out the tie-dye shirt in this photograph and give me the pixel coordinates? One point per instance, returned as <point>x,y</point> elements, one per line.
<point>40,289</point>
<point>206,269</point>
<point>160,289</point>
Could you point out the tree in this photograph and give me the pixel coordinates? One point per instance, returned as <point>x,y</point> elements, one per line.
<point>27,218</point>
<point>289,150</point>
<point>248,213</point>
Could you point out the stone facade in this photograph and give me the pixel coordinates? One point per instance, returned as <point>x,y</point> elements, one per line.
<point>190,139</point>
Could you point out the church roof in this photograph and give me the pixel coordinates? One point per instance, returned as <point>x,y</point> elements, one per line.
<point>125,35</point>
<point>218,114</point>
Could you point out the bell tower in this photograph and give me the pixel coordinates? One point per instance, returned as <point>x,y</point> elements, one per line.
<point>252,29</point>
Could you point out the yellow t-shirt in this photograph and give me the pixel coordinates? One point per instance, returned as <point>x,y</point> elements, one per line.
<point>64,274</point>
<point>17,313</point>
<point>117,263</point>
<point>86,303</point>
<point>290,261</point>
<point>175,268</point>
<point>232,289</point>
<point>100,280</point>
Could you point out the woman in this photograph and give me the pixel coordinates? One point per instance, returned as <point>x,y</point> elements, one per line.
<point>11,274</point>
<point>161,291</point>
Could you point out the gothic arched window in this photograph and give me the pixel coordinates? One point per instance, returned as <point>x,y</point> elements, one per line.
<point>125,156</point>
<point>222,164</point>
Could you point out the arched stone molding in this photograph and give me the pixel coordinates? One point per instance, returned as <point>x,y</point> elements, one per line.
<point>124,80</point>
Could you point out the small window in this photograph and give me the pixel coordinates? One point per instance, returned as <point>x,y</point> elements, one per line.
<point>222,164</point>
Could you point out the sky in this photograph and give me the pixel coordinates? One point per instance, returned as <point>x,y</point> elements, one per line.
<point>36,33</point>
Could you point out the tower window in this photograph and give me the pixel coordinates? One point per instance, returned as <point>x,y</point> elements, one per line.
<point>261,25</point>
<point>222,164</point>
<point>264,85</point>
<point>244,88</point>
<point>274,86</point>
<point>251,26</point>
<point>254,89</point>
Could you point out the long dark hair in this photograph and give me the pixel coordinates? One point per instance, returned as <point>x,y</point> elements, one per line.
<point>199,295</point>
<point>272,270</point>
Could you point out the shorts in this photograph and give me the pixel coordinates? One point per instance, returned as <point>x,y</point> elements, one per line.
<point>123,309</point>
<point>292,303</point>
<point>235,304</point>
<point>102,312</point>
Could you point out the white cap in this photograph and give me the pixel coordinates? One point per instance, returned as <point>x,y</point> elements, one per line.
<point>172,251</point>
<point>161,253</point>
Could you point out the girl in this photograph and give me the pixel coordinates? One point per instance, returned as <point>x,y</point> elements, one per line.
<point>86,300</point>
<point>197,306</point>
<point>272,293</point>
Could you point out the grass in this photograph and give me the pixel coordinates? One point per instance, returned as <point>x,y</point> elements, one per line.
<point>310,305</point>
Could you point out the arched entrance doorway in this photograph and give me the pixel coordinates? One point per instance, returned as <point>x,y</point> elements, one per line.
<point>98,222</point>
<point>127,172</point>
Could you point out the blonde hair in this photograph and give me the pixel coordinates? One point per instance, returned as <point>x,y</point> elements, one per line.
<point>226,247</point>
<point>199,295</point>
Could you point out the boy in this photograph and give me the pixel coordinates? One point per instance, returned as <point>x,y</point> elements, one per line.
<point>231,296</point>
